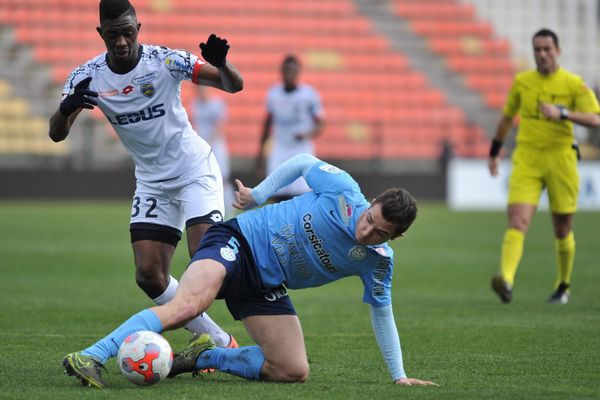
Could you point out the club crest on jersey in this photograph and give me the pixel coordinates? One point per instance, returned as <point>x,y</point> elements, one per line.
<point>147,89</point>
<point>358,253</point>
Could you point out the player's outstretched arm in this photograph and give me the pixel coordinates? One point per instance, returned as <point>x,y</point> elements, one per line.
<point>221,74</point>
<point>80,97</point>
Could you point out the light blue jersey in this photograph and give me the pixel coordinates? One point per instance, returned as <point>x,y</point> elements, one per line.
<point>309,240</point>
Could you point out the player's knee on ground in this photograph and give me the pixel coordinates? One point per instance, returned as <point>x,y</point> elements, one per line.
<point>297,372</point>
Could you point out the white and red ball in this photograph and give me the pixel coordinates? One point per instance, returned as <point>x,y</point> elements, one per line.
<point>145,358</point>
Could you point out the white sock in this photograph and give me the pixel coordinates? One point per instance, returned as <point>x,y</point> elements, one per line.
<point>202,323</point>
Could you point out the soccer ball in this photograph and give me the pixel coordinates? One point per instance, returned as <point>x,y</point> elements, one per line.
<point>145,358</point>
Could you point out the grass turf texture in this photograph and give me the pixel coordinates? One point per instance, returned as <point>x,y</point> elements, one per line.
<point>67,279</point>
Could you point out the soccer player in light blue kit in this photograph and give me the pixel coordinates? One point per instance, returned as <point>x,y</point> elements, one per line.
<point>318,237</point>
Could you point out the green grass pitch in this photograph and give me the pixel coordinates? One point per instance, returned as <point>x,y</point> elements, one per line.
<point>67,279</point>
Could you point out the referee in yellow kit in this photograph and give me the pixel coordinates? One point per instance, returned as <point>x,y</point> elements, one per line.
<point>548,101</point>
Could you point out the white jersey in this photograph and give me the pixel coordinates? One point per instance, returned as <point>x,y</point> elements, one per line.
<point>208,114</point>
<point>144,107</point>
<point>292,113</point>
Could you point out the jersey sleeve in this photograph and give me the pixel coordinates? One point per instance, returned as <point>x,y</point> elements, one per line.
<point>513,100</point>
<point>326,178</point>
<point>378,282</point>
<point>182,65</point>
<point>585,99</point>
<point>76,76</point>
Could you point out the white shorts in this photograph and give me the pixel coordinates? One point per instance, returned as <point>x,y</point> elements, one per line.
<point>194,198</point>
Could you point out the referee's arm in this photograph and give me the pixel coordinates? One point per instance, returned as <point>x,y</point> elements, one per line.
<point>502,132</point>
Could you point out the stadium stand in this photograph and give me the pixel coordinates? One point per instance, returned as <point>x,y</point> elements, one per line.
<point>469,45</point>
<point>376,104</point>
<point>21,133</point>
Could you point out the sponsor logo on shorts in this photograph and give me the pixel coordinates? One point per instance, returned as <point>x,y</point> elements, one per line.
<point>358,253</point>
<point>229,251</point>
<point>216,217</point>
<point>147,89</point>
<point>276,294</point>
<point>317,244</point>
<point>330,168</point>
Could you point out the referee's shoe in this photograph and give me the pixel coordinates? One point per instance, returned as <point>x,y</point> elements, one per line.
<point>561,295</point>
<point>502,288</point>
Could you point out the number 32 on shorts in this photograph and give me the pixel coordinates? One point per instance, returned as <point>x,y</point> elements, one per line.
<point>149,205</point>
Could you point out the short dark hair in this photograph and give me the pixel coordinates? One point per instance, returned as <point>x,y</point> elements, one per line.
<point>111,9</point>
<point>546,33</point>
<point>290,59</point>
<point>398,206</point>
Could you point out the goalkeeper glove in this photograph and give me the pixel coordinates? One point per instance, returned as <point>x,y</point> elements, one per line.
<point>81,97</point>
<point>215,50</point>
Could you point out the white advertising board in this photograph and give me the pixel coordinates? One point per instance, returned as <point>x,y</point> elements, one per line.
<point>471,187</point>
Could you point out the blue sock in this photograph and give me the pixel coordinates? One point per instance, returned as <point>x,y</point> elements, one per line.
<point>244,361</point>
<point>109,346</point>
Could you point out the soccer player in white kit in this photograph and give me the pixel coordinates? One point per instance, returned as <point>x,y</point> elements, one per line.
<point>209,117</point>
<point>295,118</point>
<point>138,88</point>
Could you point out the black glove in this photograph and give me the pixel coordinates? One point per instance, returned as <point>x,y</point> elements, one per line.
<point>78,99</point>
<point>215,50</point>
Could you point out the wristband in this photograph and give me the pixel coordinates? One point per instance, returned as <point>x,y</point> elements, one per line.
<point>564,112</point>
<point>496,146</point>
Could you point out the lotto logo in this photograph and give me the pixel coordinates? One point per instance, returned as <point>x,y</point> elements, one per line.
<point>216,217</point>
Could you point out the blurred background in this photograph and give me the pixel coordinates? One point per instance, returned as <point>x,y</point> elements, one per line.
<point>412,89</point>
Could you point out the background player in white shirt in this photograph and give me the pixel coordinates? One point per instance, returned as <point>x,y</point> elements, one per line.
<point>295,118</point>
<point>209,117</point>
<point>138,88</point>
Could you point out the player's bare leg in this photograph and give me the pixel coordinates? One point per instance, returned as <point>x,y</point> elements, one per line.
<point>281,340</point>
<point>203,323</point>
<point>198,288</point>
<point>152,261</point>
<point>195,233</point>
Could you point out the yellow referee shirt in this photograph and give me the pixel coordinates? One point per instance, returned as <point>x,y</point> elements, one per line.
<point>561,87</point>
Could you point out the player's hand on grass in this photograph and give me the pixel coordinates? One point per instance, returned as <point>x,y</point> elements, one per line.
<point>243,197</point>
<point>80,97</point>
<point>214,51</point>
<point>413,381</point>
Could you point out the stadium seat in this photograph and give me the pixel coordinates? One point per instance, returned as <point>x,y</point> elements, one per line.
<point>375,102</point>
